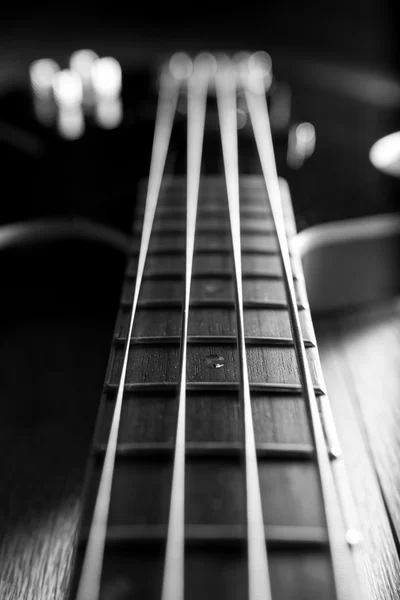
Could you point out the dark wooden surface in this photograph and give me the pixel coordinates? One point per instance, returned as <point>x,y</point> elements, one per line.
<point>359,354</point>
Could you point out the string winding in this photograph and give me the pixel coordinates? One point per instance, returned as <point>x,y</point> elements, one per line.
<point>90,579</point>
<point>346,583</point>
<point>173,583</point>
<point>258,572</point>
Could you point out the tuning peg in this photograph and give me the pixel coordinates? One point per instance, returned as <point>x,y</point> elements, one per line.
<point>108,112</point>
<point>106,76</point>
<point>67,89</point>
<point>301,144</point>
<point>41,74</point>
<point>385,154</point>
<point>82,62</point>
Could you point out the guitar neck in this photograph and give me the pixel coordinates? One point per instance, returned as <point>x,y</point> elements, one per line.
<point>215,500</point>
<point>210,471</point>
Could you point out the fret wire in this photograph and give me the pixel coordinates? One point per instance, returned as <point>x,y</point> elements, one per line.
<point>90,579</point>
<point>346,583</point>
<point>258,252</point>
<point>174,572</point>
<point>233,450</point>
<point>165,231</point>
<point>167,387</point>
<point>204,274</point>
<point>163,303</point>
<point>210,340</point>
<point>258,572</point>
<point>292,537</point>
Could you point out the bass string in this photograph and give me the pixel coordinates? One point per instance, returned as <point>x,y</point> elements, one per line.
<point>197,86</point>
<point>90,578</point>
<point>258,570</point>
<point>346,582</point>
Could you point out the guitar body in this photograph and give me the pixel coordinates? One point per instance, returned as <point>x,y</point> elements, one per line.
<point>57,354</point>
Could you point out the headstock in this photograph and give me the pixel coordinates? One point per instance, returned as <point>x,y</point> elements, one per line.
<point>80,130</point>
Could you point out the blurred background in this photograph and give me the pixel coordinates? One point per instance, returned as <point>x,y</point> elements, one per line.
<point>341,60</point>
<point>352,31</point>
<point>361,32</point>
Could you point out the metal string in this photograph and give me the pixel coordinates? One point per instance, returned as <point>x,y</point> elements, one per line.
<point>197,85</point>
<point>258,572</point>
<point>90,579</point>
<point>346,584</point>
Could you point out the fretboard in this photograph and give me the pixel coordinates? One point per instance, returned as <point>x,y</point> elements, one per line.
<point>299,557</point>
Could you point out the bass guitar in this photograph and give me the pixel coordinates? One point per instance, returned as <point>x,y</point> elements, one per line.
<point>216,465</point>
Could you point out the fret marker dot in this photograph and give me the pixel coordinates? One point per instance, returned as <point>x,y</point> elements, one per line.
<point>212,288</point>
<point>335,451</point>
<point>214,361</point>
<point>353,537</point>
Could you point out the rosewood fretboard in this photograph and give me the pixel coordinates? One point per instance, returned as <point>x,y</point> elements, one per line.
<point>215,519</point>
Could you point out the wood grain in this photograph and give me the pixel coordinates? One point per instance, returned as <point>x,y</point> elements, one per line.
<point>210,418</point>
<point>216,321</point>
<point>54,345</point>
<point>358,353</point>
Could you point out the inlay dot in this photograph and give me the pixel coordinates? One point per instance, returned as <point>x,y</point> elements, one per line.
<point>353,537</point>
<point>214,361</point>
